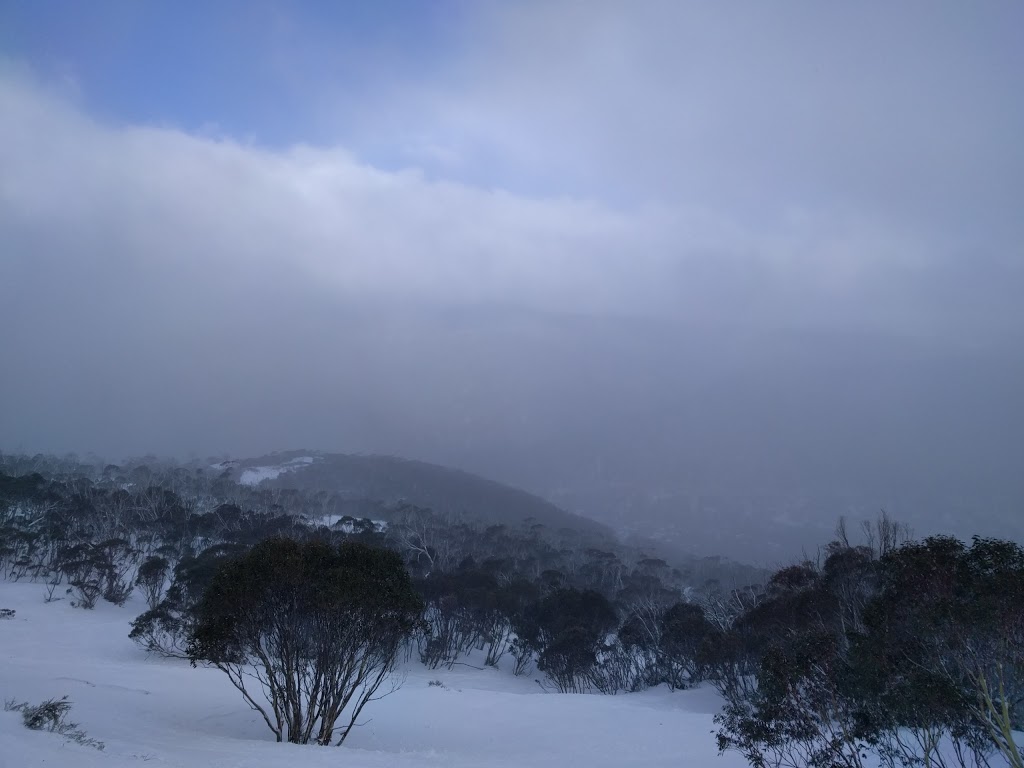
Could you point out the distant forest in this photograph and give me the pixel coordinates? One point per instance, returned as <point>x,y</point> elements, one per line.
<point>878,649</point>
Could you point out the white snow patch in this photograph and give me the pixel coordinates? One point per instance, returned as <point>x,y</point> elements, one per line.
<point>348,526</point>
<point>256,475</point>
<point>162,712</point>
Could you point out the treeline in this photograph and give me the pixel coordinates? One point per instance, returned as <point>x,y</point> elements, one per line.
<point>891,652</point>
<point>585,612</point>
<point>432,486</point>
<point>879,651</point>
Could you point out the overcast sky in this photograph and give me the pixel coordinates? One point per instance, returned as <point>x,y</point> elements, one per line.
<point>543,240</point>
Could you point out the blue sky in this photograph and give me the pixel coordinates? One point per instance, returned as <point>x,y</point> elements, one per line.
<point>898,125</point>
<point>752,108</point>
<point>247,68</point>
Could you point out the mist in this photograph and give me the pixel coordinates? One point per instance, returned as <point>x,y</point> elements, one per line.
<point>627,258</point>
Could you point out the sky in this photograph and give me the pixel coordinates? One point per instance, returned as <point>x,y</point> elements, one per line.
<point>566,244</point>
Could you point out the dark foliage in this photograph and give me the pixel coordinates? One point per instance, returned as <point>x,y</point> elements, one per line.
<point>51,715</point>
<point>685,633</point>
<point>568,629</point>
<point>914,655</point>
<point>164,530</point>
<point>322,626</point>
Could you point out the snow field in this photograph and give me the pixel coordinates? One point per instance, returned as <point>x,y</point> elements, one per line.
<point>161,712</point>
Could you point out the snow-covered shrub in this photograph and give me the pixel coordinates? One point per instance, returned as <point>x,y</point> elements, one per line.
<point>50,716</point>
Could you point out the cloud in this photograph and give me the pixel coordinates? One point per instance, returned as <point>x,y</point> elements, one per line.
<point>162,197</point>
<point>141,200</point>
<point>908,111</point>
<point>653,244</point>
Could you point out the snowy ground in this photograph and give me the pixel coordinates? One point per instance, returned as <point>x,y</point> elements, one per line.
<point>159,712</point>
<point>256,475</point>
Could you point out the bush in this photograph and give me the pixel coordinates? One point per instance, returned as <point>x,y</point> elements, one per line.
<point>685,631</point>
<point>49,716</point>
<point>165,628</point>
<point>151,578</point>
<point>906,655</point>
<point>323,627</point>
<point>567,629</point>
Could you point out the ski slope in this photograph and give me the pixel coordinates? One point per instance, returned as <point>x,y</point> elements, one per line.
<point>159,712</point>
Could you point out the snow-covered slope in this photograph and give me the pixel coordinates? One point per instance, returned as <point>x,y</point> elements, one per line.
<point>256,475</point>
<point>158,712</point>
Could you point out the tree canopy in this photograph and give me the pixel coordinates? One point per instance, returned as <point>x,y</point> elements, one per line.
<point>317,627</point>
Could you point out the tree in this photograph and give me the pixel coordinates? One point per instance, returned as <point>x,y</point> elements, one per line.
<point>317,628</point>
<point>782,670</point>
<point>165,628</point>
<point>684,632</point>
<point>913,652</point>
<point>946,643</point>
<point>466,609</point>
<point>426,536</point>
<point>151,578</point>
<point>799,714</point>
<point>568,628</point>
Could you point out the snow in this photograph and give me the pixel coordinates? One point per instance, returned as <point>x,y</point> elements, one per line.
<point>256,475</point>
<point>335,521</point>
<point>161,712</point>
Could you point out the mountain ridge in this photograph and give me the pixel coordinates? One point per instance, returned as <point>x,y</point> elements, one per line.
<point>395,480</point>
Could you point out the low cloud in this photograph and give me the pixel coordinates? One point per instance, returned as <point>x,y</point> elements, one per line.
<point>689,252</point>
<point>137,203</point>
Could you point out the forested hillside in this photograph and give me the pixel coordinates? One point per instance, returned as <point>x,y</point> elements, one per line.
<point>879,648</point>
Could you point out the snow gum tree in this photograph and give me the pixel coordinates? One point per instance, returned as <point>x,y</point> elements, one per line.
<point>306,632</point>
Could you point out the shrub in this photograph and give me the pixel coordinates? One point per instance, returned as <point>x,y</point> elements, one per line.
<point>50,716</point>
<point>568,629</point>
<point>321,625</point>
<point>165,628</point>
<point>151,578</point>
